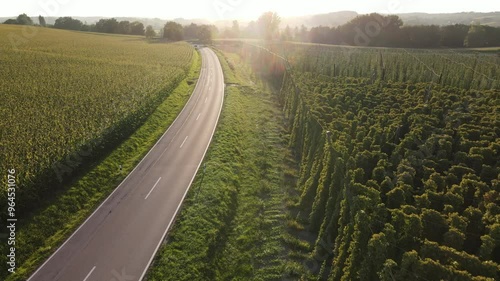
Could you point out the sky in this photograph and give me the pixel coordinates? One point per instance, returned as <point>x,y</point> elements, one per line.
<point>233,9</point>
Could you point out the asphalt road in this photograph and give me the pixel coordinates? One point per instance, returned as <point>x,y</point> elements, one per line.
<point>119,240</point>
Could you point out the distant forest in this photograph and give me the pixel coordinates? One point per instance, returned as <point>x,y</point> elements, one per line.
<point>388,31</point>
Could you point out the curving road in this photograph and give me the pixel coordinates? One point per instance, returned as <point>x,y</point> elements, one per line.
<point>119,240</point>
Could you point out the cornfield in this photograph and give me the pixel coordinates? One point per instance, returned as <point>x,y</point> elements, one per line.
<point>64,93</point>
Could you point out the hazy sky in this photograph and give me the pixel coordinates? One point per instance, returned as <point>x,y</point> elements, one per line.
<point>231,9</point>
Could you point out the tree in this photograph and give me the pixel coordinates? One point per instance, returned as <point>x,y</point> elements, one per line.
<point>173,31</point>
<point>371,30</point>
<point>10,21</point>
<point>137,28</point>
<point>453,36</point>
<point>251,31</point>
<point>268,25</point>
<point>287,34</point>
<point>492,35</point>
<point>205,34</point>
<point>23,19</point>
<point>302,35</point>
<point>150,32</point>
<point>68,23</point>
<point>390,34</point>
<point>214,30</point>
<point>235,29</point>
<point>107,25</point>
<point>296,34</point>
<point>423,36</point>
<point>320,34</point>
<point>476,37</point>
<point>124,27</point>
<point>191,31</point>
<point>41,21</point>
<point>87,27</point>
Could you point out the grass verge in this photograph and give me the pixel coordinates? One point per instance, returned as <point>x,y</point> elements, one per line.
<point>234,220</point>
<point>39,236</point>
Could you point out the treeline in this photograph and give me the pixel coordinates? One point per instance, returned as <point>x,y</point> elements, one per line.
<point>375,30</point>
<point>103,25</point>
<point>388,31</point>
<point>171,31</point>
<point>23,19</point>
<point>175,32</point>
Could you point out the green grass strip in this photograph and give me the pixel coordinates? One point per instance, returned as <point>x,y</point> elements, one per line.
<point>233,222</point>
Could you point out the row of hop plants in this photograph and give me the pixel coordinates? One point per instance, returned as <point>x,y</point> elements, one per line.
<point>464,70</point>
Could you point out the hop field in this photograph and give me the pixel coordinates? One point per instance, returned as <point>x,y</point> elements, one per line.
<point>399,155</point>
<point>398,151</point>
<point>446,67</point>
<point>64,92</point>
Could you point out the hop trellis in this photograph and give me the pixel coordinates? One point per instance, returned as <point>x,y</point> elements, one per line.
<point>398,152</point>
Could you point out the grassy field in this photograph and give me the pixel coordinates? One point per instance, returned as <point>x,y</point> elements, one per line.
<point>233,223</point>
<point>162,79</point>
